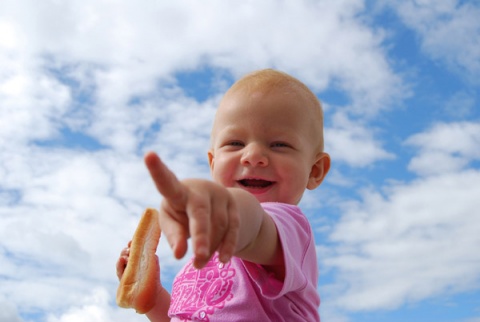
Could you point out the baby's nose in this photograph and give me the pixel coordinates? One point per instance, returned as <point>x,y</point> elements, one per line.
<point>254,155</point>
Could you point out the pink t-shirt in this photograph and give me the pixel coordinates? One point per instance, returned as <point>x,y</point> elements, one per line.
<point>244,291</point>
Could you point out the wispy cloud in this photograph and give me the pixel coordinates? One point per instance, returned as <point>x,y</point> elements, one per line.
<point>446,147</point>
<point>448,31</point>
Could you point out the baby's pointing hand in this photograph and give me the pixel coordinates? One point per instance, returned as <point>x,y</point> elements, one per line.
<point>200,209</point>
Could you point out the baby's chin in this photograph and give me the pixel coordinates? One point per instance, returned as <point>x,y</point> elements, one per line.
<point>267,198</point>
<point>272,198</point>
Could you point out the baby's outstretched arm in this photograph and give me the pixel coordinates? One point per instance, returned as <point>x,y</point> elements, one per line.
<point>228,220</point>
<point>198,209</point>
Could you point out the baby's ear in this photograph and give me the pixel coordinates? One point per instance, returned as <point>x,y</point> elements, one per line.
<point>211,159</point>
<point>319,170</point>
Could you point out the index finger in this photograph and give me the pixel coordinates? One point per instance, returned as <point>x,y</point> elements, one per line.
<point>165,180</point>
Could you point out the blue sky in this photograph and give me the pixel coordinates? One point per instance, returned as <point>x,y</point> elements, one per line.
<point>87,87</point>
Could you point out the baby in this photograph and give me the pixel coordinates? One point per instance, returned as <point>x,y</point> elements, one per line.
<point>254,254</point>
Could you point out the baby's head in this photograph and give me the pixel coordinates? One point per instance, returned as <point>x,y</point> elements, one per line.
<point>267,138</point>
<point>273,82</point>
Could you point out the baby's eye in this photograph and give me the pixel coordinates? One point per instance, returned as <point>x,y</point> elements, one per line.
<point>280,145</point>
<point>235,143</point>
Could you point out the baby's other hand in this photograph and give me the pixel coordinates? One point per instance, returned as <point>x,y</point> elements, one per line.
<point>123,260</point>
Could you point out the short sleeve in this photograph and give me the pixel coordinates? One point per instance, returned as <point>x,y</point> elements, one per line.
<point>296,237</point>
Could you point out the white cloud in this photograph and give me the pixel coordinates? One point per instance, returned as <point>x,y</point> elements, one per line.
<point>477,319</point>
<point>448,31</point>
<point>8,311</point>
<point>353,143</point>
<point>337,178</point>
<point>446,147</point>
<point>116,54</point>
<point>33,102</point>
<point>413,240</point>
<point>70,215</point>
<point>95,307</point>
<point>131,47</point>
<point>460,105</point>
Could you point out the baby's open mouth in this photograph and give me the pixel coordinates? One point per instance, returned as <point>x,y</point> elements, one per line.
<point>255,183</point>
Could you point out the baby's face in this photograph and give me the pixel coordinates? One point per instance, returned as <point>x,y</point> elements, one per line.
<point>265,144</point>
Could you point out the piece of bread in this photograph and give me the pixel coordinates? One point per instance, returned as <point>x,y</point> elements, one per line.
<point>140,279</point>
